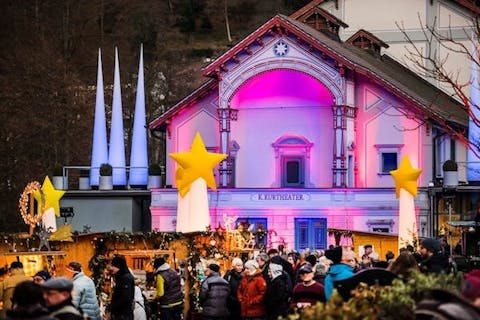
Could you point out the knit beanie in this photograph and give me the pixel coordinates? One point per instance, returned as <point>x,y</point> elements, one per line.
<point>119,262</point>
<point>43,274</point>
<point>334,254</point>
<point>251,266</point>
<point>471,285</point>
<point>74,266</point>
<point>431,244</point>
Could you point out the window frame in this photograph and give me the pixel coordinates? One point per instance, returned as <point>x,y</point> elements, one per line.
<point>383,149</point>
<point>312,229</point>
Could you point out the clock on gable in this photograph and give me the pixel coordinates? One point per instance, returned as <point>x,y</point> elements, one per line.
<point>280,48</point>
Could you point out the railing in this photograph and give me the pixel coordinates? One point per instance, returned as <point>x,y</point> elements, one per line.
<point>71,175</point>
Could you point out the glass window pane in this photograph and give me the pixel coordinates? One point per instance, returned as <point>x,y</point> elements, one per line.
<point>293,172</point>
<point>389,161</point>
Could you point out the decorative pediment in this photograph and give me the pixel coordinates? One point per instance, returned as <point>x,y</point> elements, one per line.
<point>365,40</point>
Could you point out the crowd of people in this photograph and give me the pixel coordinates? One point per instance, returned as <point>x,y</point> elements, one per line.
<point>271,285</point>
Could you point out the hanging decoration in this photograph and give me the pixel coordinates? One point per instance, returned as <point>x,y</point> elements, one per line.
<point>26,205</point>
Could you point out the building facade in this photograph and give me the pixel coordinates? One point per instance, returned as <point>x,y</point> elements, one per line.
<point>313,119</point>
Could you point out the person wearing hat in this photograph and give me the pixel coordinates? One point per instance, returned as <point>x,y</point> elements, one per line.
<point>308,292</point>
<point>28,303</point>
<point>276,299</point>
<point>433,260</point>
<point>7,286</point>
<point>343,264</point>
<point>214,294</point>
<point>121,305</point>
<point>252,291</point>
<point>84,294</point>
<point>233,277</point>
<point>57,293</point>
<point>471,287</point>
<point>41,276</point>
<point>169,290</point>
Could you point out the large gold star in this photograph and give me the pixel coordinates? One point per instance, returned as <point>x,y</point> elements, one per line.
<point>406,177</point>
<point>197,163</point>
<point>52,197</point>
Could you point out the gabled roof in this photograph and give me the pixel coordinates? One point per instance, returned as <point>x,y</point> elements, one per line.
<point>204,89</point>
<point>383,70</point>
<point>306,8</point>
<point>327,15</point>
<point>367,35</point>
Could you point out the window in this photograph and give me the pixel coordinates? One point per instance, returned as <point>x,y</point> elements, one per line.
<point>293,172</point>
<point>255,225</point>
<point>388,157</point>
<point>310,233</point>
<point>292,162</point>
<point>389,161</point>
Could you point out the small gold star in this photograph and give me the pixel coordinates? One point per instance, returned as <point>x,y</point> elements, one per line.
<point>406,177</point>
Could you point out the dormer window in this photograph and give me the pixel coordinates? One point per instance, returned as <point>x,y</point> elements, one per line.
<point>366,41</point>
<point>322,21</point>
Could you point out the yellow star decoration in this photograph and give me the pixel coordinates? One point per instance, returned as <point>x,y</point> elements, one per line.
<point>197,163</point>
<point>406,177</point>
<point>52,196</point>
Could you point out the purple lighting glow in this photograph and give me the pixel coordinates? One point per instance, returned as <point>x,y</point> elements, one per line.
<point>295,89</point>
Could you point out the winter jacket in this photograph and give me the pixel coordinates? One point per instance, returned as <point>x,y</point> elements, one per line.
<point>213,296</point>
<point>31,312</point>
<point>233,278</point>
<point>436,263</point>
<point>139,309</point>
<point>121,306</point>
<point>84,296</point>
<point>251,294</point>
<point>276,299</point>
<point>336,272</point>
<point>7,286</point>
<point>169,288</point>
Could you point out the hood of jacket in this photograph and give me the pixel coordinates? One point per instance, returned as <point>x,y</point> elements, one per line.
<point>163,267</point>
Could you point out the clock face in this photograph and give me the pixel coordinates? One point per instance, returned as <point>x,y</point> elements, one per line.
<point>280,48</point>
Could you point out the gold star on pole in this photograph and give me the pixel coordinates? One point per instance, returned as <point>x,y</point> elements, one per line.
<point>197,163</point>
<point>406,177</point>
<point>52,196</point>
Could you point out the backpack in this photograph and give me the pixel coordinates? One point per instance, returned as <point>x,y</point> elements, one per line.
<point>146,306</point>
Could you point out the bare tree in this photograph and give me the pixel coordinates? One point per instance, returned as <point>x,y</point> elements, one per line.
<point>432,65</point>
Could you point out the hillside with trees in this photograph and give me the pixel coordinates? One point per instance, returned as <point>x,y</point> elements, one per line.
<point>48,66</point>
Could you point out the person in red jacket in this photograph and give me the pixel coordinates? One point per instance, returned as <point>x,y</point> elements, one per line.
<point>251,292</point>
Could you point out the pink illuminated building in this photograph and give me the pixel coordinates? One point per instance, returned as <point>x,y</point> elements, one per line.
<point>312,125</point>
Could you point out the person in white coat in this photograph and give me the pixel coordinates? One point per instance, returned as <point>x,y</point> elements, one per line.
<point>139,309</point>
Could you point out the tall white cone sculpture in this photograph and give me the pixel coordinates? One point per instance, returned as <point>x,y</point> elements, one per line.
<point>116,152</point>
<point>139,153</point>
<point>473,161</point>
<point>99,143</point>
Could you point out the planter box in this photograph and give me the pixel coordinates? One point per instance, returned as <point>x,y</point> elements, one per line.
<point>105,183</point>
<point>84,183</point>
<point>60,182</point>
<point>154,182</point>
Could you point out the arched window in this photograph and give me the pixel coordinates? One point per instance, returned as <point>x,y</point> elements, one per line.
<point>292,162</point>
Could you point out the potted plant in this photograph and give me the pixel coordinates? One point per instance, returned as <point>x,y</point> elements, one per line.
<point>84,180</point>
<point>106,181</point>
<point>154,176</point>
<point>57,177</point>
<point>450,173</point>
